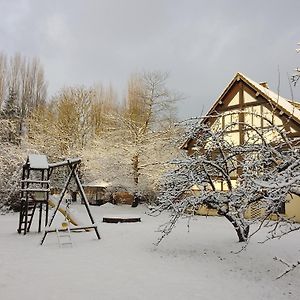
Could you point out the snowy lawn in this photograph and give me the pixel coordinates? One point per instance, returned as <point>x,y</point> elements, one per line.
<point>125,264</point>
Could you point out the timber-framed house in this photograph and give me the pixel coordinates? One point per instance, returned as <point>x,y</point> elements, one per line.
<point>244,101</point>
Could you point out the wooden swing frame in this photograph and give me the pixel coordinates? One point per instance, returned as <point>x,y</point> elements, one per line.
<point>73,165</point>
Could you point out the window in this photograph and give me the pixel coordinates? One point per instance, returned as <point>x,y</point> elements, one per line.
<point>231,120</point>
<point>217,125</point>
<point>253,116</point>
<point>252,137</point>
<point>232,138</point>
<point>270,115</point>
<point>271,135</point>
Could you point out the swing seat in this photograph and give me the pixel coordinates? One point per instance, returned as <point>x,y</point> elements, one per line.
<point>64,224</point>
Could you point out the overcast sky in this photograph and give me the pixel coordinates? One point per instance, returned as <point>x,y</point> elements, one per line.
<point>201,44</point>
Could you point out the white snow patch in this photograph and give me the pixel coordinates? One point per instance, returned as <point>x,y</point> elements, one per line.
<point>38,161</point>
<point>108,205</point>
<point>125,264</point>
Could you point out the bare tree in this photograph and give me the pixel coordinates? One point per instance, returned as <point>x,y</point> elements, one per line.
<point>62,127</point>
<point>43,133</point>
<point>148,108</point>
<point>33,86</point>
<point>25,77</point>
<point>111,157</point>
<point>230,177</point>
<point>132,149</point>
<point>103,106</point>
<point>69,123</point>
<point>3,66</point>
<point>22,89</point>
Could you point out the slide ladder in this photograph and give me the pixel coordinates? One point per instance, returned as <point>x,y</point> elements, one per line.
<point>32,198</point>
<point>64,236</point>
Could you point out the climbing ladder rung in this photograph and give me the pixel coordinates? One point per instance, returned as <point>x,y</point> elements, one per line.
<point>28,220</point>
<point>30,203</point>
<point>35,181</point>
<point>35,190</point>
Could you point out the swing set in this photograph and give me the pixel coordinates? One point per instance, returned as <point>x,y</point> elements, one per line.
<point>35,194</point>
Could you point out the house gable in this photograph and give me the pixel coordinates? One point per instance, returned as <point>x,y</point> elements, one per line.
<point>243,102</point>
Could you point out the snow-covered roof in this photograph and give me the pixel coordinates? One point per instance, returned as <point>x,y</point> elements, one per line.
<point>280,102</point>
<point>38,161</point>
<point>297,104</point>
<point>98,183</point>
<point>290,107</point>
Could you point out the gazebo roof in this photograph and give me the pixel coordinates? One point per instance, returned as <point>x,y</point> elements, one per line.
<point>98,183</point>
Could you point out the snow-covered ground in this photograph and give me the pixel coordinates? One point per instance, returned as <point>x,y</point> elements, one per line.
<point>125,264</point>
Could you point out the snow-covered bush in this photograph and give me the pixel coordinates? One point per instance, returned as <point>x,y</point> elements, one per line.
<point>12,158</point>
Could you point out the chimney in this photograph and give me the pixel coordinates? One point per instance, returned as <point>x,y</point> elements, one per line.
<point>264,84</point>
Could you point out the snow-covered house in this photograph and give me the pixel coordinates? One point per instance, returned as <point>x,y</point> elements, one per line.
<point>245,101</point>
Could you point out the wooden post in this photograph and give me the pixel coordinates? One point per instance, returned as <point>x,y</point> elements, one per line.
<point>40,216</point>
<point>86,203</point>
<point>26,229</point>
<point>62,195</point>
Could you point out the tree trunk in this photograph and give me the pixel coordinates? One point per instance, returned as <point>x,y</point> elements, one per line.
<point>135,166</point>
<point>242,229</point>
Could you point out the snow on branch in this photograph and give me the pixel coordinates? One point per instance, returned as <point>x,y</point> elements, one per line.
<point>290,266</point>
